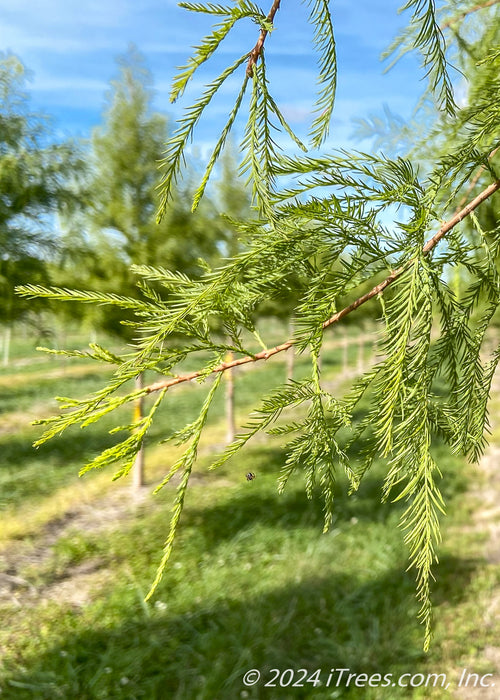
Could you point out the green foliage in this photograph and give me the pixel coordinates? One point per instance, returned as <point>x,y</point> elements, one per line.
<point>174,152</point>
<point>432,134</point>
<point>211,43</point>
<point>323,219</point>
<point>424,34</point>
<point>324,40</point>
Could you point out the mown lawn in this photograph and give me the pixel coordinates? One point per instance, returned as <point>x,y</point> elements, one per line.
<point>252,583</point>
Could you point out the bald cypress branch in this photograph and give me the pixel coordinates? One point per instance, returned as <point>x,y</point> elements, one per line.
<point>377,289</point>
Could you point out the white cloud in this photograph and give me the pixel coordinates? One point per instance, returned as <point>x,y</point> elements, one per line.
<point>70,93</point>
<point>54,14</point>
<point>22,40</point>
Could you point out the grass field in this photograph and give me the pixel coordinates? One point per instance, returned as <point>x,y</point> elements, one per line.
<point>252,583</point>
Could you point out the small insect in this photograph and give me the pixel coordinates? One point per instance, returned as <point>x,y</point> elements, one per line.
<point>250,476</point>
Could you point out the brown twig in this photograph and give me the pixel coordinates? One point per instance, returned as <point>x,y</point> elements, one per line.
<point>257,49</point>
<point>266,354</point>
<point>462,15</point>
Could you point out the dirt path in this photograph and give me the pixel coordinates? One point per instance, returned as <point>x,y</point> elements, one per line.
<point>21,561</point>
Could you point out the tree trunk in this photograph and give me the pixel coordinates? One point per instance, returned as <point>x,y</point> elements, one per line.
<point>230,421</point>
<point>290,354</point>
<point>6,344</point>
<point>60,338</point>
<point>345,354</point>
<point>138,468</point>
<point>361,355</point>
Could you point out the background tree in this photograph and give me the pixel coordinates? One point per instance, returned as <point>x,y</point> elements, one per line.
<point>325,218</point>
<point>33,182</point>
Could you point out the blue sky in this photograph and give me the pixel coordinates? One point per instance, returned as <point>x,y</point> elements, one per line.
<point>71,48</point>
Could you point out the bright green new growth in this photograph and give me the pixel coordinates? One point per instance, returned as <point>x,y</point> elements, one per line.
<point>322,219</point>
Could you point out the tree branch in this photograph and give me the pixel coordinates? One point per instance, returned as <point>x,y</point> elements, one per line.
<point>462,15</point>
<point>257,49</point>
<point>378,289</point>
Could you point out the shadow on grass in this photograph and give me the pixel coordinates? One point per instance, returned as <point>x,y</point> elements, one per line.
<point>257,502</point>
<point>26,472</point>
<point>290,510</point>
<point>335,621</point>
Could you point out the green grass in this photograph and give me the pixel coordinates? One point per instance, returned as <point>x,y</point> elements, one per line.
<point>252,582</point>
